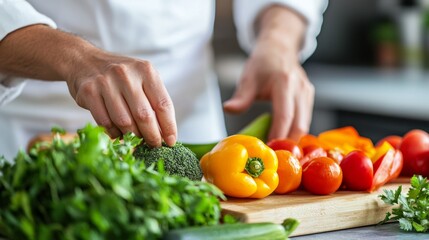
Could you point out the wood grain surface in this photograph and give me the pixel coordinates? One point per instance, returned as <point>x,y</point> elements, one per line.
<point>341,210</point>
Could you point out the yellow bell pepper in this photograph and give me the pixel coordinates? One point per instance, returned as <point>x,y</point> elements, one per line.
<point>381,151</point>
<point>241,166</point>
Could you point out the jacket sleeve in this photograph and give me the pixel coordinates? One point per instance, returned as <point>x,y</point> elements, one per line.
<point>16,14</point>
<point>245,13</point>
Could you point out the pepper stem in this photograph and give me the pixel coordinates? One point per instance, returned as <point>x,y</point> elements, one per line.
<point>254,166</point>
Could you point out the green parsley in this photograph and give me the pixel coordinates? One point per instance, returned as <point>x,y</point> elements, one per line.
<point>413,210</point>
<point>94,188</point>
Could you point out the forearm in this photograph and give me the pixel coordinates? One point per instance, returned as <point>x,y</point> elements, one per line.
<point>123,94</point>
<point>281,26</point>
<point>41,52</point>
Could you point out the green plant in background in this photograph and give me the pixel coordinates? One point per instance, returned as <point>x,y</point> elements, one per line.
<point>93,188</point>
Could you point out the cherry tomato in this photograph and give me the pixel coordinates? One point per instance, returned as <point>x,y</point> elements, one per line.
<point>357,171</point>
<point>394,140</point>
<point>313,152</point>
<point>322,176</point>
<point>383,169</point>
<point>289,171</point>
<point>421,164</point>
<point>307,149</point>
<point>413,143</point>
<point>286,144</point>
<point>398,161</point>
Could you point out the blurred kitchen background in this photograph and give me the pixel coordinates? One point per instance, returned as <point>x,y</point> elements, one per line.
<point>370,69</point>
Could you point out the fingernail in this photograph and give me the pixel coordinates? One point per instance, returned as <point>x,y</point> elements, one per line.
<point>229,101</point>
<point>170,140</point>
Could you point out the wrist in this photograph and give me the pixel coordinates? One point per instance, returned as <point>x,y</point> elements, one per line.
<point>77,56</point>
<point>41,52</point>
<point>282,27</point>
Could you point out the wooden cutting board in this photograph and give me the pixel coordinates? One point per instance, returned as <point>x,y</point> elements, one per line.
<point>341,210</point>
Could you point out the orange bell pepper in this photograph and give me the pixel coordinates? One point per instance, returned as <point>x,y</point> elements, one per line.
<point>241,166</point>
<point>309,140</point>
<point>346,139</point>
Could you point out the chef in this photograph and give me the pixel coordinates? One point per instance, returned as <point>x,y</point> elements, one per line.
<point>146,67</point>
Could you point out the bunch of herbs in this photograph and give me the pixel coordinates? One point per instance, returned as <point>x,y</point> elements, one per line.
<point>94,188</point>
<point>412,210</point>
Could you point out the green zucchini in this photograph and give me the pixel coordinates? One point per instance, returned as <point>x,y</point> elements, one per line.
<point>254,231</point>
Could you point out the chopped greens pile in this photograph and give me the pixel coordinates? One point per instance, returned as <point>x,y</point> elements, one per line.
<point>413,210</point>
<point>94,188</point>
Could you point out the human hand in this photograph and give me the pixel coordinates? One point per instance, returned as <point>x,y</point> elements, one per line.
<point>273,72</point>
<point>124,95</point>
<point>270,75</point>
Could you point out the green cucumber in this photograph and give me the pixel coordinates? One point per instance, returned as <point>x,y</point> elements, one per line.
<point>254,231</point>
<point>259,128</point>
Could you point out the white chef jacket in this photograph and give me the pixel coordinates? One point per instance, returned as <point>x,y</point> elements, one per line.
<point>174,35</point>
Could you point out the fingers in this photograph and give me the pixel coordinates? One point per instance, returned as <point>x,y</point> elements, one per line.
<point>243,96</point>
<point>119,112</point>
<point>303,111</point>
<point>140,113</point>
<point>145,119</point>
<point>158,108</point>
<point>88,97</point>
<point>282,107</point>
<point>130,98</point>
<point>163,108</point>
<point>292,107</point>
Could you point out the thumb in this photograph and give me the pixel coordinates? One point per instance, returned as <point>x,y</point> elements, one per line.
<point>242,98</point>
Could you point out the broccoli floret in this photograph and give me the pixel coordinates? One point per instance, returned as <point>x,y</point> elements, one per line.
<point>178,160</point>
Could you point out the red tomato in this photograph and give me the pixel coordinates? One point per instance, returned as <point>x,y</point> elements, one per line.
<point>307,149</point>
<point>313,153</point>
<point>394,140</point>
<point>413,143</point>
<point>383,169</point>
<point>357,171</point>
<point>286,144</point>
<point>322,176</point>
<point>421,164</point>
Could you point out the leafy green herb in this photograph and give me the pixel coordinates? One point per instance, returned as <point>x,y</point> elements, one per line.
<point>413,210</point>
<point>94,188</point>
